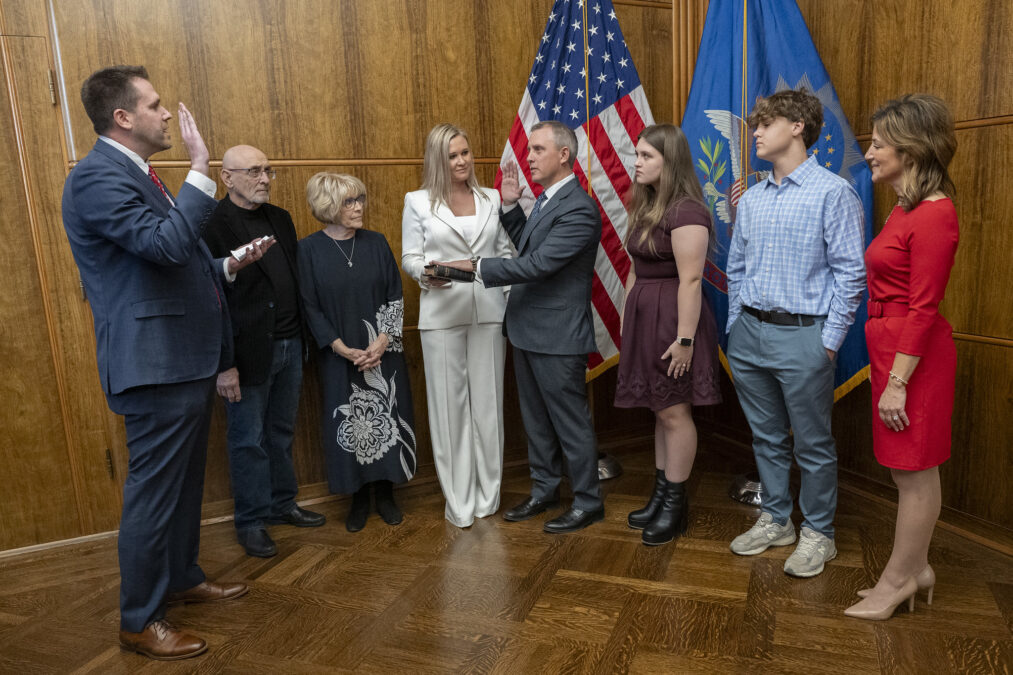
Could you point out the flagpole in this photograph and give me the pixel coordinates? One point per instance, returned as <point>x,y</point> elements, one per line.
<point>587,100</point>
<point>746,488</point>
<point>744,138</point>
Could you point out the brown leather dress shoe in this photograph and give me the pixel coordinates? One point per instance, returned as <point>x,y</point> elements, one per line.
<point>161,641</point>
<point>208,591</point>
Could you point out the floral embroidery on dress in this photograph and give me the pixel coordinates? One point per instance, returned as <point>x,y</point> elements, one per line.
<point>372,425</point>
<point>389,319</point>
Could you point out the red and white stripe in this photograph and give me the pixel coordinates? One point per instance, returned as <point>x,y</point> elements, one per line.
<point>612,137</point>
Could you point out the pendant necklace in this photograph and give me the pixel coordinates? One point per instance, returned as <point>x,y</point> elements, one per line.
<point>347,257</point>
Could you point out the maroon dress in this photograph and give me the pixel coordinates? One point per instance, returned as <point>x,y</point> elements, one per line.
<point>908,267</point>
<point>651,324</point>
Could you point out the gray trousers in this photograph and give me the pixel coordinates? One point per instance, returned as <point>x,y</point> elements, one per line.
<point>553,400</point>
<point>785,384</point>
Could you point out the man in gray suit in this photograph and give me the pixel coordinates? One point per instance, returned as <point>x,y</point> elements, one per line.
<point>548,321</point>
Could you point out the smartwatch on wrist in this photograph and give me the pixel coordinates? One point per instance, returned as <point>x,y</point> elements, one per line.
<point>684,341</point>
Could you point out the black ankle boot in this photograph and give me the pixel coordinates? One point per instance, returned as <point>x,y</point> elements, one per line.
<point>359,510</point>
<point>385,506</point>
<point>640,518</point>
<point>672,517</point>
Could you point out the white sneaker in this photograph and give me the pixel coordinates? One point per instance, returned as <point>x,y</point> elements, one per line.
<point>761,536</point>
<point>812,552</point>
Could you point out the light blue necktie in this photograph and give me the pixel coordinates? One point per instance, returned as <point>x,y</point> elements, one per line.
<point>539,203</point>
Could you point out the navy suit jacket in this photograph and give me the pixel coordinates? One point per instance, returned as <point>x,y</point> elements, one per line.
<point>549,310</point>
<point>252,296</point>
<point>156,293</point>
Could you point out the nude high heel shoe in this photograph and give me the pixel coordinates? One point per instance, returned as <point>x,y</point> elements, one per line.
<point>926,580</point>
<point>884,612</point>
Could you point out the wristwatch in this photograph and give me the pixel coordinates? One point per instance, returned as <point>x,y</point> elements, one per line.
<point>474,263</point>
<point>684,341</point>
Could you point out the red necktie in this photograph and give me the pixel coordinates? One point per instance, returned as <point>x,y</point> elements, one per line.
<point>154,179</point>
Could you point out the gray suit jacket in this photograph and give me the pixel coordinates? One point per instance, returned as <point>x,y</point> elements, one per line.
<point>549,310</point>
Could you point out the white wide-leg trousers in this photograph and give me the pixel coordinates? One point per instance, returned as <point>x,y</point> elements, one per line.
<point>464,385</point>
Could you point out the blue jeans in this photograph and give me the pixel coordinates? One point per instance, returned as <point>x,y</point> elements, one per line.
<point>260,430</point>
<point>785,383</point>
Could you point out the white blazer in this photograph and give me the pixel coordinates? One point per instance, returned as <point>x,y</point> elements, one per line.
<point>428,235</point>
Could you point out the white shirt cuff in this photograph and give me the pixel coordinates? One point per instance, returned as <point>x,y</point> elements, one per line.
<point>225,267</point>
<point>202,183</point>
<point>510,207</point>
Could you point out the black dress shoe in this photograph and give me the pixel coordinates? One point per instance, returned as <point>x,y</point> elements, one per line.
<point>529,508</point>
<point>574,520</point>
<point>257,543</point>
<point>299,517</point>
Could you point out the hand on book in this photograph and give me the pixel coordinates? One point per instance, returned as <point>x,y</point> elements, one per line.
<point>457,270</point>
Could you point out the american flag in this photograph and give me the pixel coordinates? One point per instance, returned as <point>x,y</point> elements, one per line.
<point>598,94</point>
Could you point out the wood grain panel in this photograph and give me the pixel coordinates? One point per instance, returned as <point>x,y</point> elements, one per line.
<point>39,490</point>
<point>314,78</point>
<point>24,18</point>
<point>979,298</point>
<point>876,50</point>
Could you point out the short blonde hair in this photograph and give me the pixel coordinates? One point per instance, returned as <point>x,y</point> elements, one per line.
<point>326,193</point>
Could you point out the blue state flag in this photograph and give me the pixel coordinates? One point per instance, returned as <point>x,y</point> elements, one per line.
<point>751,49</point>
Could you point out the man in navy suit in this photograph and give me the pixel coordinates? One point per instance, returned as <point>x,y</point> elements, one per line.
<point>162,334</point>
<point>549,323</point>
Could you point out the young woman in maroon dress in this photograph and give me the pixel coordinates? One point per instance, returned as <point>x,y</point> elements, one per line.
<point>911,348</point>
<point>668,361</point>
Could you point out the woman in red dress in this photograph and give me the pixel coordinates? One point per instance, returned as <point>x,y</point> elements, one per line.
<point>669,360</point>
<point>911,348</point>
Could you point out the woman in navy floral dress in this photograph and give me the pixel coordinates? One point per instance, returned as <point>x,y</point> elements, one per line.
<point>351,290</point>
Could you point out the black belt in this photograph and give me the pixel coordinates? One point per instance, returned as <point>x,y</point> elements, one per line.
<point>781,318</point>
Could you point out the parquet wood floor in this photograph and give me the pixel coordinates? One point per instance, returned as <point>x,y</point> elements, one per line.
<point>426,597</point>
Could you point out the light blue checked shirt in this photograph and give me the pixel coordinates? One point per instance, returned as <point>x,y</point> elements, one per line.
<point>798,248</point>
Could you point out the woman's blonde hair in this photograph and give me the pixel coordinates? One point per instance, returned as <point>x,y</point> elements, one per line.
<point>647,204</point>
<point>920,129</point>
<point>436,165</point>
<point>326,193</point>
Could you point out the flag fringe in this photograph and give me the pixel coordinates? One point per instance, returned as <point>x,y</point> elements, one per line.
<point>855,380</point>
<point>601,367</point>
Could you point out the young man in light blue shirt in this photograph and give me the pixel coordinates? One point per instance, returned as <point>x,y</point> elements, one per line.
<point>795,278</point>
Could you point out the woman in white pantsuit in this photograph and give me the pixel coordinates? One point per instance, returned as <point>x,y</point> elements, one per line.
<point>452,218</point>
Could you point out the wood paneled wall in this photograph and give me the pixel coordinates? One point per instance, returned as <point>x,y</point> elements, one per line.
<point>337,85</point>
<point>876,50</point>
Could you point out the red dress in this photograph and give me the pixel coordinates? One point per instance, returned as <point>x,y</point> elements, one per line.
<point>908,266</point>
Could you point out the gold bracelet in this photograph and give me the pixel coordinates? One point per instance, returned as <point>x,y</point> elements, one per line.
<point>898,378</point>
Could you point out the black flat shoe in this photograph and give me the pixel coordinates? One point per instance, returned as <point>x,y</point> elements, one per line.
<point>358,512</point>
<point>257,543</point>
<point>383,495</point>
<point>529,508</point>
<point>574,520</point>
<point>299,517</point>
